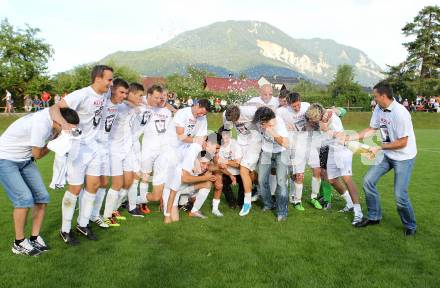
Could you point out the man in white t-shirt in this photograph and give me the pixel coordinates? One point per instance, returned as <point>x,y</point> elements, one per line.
<point>275,142</point>
<point>400,150</point>
<point>191,124</point>
<point>266,98</point>
<point>124,157</point>
<point>339,162</point>
<point>191,176</point>
<point>155,146</point>
<point>229,157</point>
<point>24,141</point>
<point>250,141</point>
<point>83,161</point>
<point>301,151</point>
<point>119,92</point>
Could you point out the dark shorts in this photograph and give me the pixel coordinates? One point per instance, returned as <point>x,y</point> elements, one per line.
<point>323,155</point>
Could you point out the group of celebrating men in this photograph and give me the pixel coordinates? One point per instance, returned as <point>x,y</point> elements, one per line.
<point>119,130</point>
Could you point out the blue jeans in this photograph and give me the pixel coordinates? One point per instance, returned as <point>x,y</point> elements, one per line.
<point>402,175</point>
<point>23,183</point>
<point>264,167</point>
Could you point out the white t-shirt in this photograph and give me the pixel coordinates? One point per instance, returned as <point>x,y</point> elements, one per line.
<point>232,151</point>
<point>273,102</point>
<point>109,115</point>
<point>32,130</point>
<point>156,129</point>
<point>89,106</point>
<point>269,143</point>
<point>189,159</point>
<point>243,125</point>
<point>120,138</point>
<point>394,125</point>
<point>295,121</point>
<point>193,126</point>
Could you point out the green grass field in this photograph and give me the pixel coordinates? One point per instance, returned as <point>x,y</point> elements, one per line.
<point>312,249</point>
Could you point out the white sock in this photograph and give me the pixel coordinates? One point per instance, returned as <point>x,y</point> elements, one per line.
<point>100,195</point>
<point>357,210</point>
<point>81,193</point>
<point>121,198</point>
<point>316,183</point>
<point>273,184</point>
<point>292,187</point>
<point>132,195</point>
<point>143,191</point>
<point>110,202</point>
<point>215,203</point>
<point>298,193</point>
<point>87,201</point>
<point>200,199</point>
<point>347,198</point>
<point>68,208</point>
<point>247,198</point>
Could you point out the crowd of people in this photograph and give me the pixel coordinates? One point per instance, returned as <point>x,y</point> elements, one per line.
<point>153,152</point>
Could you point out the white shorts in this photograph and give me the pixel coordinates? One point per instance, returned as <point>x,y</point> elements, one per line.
<point>251,154</point>
<point>339,162</point>
<point>85,162</point>
<point>136,156</point>
<point>300,158</point>
<point>121,163</point>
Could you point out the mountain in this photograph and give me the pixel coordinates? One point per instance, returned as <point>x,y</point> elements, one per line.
<point>250,47</point>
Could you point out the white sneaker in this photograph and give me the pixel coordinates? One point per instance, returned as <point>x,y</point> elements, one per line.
<point>357,219</point>
<point>346,209</point>
<point>25,248</point>
<point>291,200</point>
<point>100,222</point>
<point>255,198</point>
<point>39,244</point>
<point>197,214</point>
<point>217,213</point>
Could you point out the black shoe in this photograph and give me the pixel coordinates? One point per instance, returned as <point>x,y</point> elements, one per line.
<point>125,206</point>
<point>69,238</point>
<point>86,232</point>
<point>136,213</point>
<point>409,232</point>
<point>366,222</point>
<point>39,244</point>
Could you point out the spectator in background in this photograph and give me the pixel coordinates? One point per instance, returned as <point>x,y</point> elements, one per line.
<point>177,103</point>
<point>406,104</point>
<point>27,103</point>
<point>223,103</point>
<point>57,98</point>
<point>36,103</point>
<point>413,106</point>
<point>190,102</point>
<point>45,98</point>
<point>9,102</point>
<point>217,107</point>
<point>372,104</point>
<point>436,107</point>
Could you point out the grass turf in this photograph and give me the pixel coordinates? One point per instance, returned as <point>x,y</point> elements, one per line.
<point>312,249</point>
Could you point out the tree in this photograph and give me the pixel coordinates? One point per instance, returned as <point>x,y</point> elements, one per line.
<point>23,59</point>
<point>343,86</point>
<point>420,72</point>
<point>424,50</point>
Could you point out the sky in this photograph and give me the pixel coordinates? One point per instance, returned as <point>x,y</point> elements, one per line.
<point>86,31</point>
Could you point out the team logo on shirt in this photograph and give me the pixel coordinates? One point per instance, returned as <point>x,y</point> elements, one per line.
<point>385,134</point>
<point>189,129</point>
<point>242,129</point>
<point>145,117</point>
<point>97,117</point>
<point>160,125</point>
<point>109,122</point>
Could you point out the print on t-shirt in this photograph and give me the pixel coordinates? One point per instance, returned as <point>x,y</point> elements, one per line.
<point>145,117</point>
<point>385,134</point>
<point>109,122</point>
<point>160,125</point>
<point>97,117</point>
<point>189,129</point>
<point>242,129</point>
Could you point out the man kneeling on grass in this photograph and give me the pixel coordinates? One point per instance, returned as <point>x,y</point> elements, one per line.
<point>191,176</point>
<point>24,141</point>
